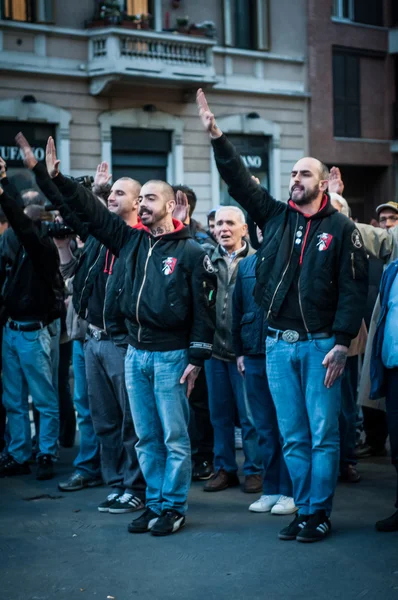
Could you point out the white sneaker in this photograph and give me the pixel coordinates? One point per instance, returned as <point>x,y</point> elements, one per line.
<point>238,438</point>
<point>264,504</point>
<point>284,506</point>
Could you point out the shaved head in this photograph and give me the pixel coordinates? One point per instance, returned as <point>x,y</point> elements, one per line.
<point>157,202</point>
<point>309,181</point>
<point>164,188</point>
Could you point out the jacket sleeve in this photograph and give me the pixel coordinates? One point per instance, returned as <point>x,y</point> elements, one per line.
<point>352,286</point>
<point>378,242</point>
<point>203,290</point>
<point>39,247</point>
<point>237,314</point>
<point>255,199</point>
<point>108,228</point>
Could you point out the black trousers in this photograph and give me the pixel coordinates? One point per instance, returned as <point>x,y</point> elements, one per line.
<point>392,416</point>
<point>200,427</point>
<point>375,426</point>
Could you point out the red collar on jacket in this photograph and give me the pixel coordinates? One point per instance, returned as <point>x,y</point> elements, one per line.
<point>298,209</point>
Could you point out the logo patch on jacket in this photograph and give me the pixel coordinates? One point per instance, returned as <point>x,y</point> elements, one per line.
<point>208,265</point>
<point>356,239</point>
<point>324,241</point>
<point>169,264</point>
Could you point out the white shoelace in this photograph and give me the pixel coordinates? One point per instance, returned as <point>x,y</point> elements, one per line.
<point>284,499</point>
<point>126,498</point>
<point>112,497</point>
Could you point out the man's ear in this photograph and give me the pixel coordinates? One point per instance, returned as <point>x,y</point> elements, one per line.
<point>171,204</point>
<point>245,229</point>
<point>323,185</point>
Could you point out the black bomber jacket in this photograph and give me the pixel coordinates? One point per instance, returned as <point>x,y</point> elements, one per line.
<point>333,276</point>
<point>165,286</point>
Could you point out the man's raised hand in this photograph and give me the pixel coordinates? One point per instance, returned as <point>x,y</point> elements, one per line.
<point>207,117</point>
<point>336,184</point>
<point>182,207</point>
<point>102,175</point>
<point>51,158</point>
<point>29,158</point>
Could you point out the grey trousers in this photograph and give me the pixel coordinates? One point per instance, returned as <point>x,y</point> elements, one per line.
<point>110,412</point>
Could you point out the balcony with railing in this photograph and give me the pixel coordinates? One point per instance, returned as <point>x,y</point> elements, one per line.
<point>118,53</point>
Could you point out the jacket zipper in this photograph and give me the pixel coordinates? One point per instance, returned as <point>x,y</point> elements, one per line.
<point>285,270</point>
<point>142,285</point>
<point>103,312</point>
<point>352,265</point>
<point>88,275</point>
<point>301,306</point>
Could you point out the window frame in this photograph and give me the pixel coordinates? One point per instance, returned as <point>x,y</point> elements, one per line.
<point>35,8</point>
<point>262,30</point>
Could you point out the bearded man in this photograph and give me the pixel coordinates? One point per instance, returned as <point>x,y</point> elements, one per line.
<point>311,281</point>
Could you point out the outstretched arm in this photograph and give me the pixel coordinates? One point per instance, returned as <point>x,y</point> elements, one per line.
<point>252,197</point>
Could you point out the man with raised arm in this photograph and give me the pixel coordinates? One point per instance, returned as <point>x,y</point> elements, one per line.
<point>311,281</point>
<point>166,293</point>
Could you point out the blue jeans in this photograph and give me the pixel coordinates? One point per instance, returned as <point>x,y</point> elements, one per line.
<point>227,394</point>
<point>276,476</point>
<point>348,415</point>
<point>27,361</point>
<point>87,462</point>
<point>160,410</point>
<point>308,417</point>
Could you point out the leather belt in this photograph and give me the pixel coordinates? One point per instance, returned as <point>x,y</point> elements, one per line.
<point>291,336</point>
<point>33,326</point>
<point>98,334</point>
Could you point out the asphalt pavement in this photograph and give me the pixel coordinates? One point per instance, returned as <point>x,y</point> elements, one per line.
<point>57,546</point>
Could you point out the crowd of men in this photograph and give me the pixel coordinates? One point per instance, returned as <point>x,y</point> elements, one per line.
<point>274,330</point>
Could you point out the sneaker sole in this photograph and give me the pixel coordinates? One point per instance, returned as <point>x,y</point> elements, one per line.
<point>103,509</point>
<point>288,538</point>
<point>283,512</point>
<point>259,510</point>
<point>309,540</point>
<point>122,511</point>
<point>158,534</point>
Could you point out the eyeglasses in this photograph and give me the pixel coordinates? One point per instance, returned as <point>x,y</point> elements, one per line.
<point>392,218</point>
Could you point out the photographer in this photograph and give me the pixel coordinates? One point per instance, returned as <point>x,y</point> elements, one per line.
<point>32,297</point>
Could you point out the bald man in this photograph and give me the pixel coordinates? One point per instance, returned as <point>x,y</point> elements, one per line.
<point>312,284</point>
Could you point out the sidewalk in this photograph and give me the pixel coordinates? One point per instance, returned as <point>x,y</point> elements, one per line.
<point>64,549</point>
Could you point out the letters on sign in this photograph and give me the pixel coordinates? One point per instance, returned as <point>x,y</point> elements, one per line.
<point>8,153</point>
<point>252,161</point>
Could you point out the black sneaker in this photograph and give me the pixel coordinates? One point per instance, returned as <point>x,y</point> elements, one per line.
<point>45,469</point>
<point>126,503</point>
<point>389,524</point>
<point>170,521</point>
<point>317,528</point>
<point>78,481</point>
<point>144,523</point>
<point>111,498</point>
<point>10,467</point>
<point>291,531</point>
<point>202,471</point>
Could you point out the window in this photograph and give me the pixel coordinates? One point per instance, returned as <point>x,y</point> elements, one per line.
<point>138,7</point>
<point>142,154</point>
<point>346,95</point>
<point>32,11</point>
<point>368,12</point>
<point>246,24</point>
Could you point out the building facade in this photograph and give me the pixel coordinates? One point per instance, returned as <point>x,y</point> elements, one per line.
<point>112,83</point>
<point>353,81</point>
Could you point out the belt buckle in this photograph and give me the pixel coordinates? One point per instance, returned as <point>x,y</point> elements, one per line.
<point>290,336</point>
<point>96,334</point>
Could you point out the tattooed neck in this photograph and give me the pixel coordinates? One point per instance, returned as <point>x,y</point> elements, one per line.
<point>156,231</point>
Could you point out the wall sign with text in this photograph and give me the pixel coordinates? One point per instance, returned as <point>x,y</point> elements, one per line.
<point>36,134</point>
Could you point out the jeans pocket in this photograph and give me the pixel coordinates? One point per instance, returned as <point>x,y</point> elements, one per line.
<point>324,345</point>
<point>270,344</point>
<point>31,336</point>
